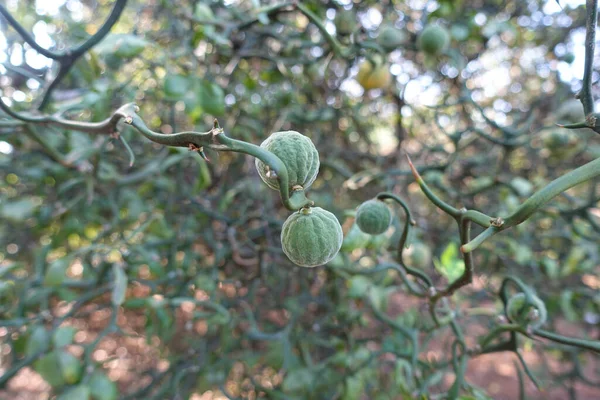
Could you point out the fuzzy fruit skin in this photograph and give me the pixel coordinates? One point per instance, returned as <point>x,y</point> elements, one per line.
<point>311,237</point>
<point>373,217</point>
<point>299,155</point>
<point>433,40</point>
<point>520,313</point>
<point>373,77</point>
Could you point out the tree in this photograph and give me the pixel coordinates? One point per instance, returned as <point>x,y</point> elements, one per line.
<point>123,199</point>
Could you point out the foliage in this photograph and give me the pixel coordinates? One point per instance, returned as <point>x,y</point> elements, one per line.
<point>144,217</point>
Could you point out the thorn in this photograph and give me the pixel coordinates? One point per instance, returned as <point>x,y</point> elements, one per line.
<point>216,124</point>
<point>413,169</point>
<point>203,155</point>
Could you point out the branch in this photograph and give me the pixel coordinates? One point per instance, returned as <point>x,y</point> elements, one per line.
<point>585,95</point>
<point>214,139</point>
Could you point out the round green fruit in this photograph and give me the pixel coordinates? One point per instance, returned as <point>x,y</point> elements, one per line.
<point>418,255</point>
<point>311,237</point>
<point>373,75</point>
<point>355,239</point>
<point>299,155</point>
<point>560,142</point>
<point>390,38</point>
<point>433,40</point>
<point>373,217</point>
<point>532,314</point>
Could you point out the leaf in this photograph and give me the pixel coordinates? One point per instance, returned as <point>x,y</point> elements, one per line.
<point>176,86</point>
<point>211,98</point>
<point>449,265</point>
<point>102,387</point>
<point>19,210</point>
<point>63,336</point>
<point>120,285</point>
<point>49,368</point>
<point>121,45</point>
<point>81,392</point>
<point>38,341</point>
<point>56,272</point>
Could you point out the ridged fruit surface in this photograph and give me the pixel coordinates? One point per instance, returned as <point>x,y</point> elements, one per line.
<point>299,155</point>
<point>311,237</point>
<point>373,217</point>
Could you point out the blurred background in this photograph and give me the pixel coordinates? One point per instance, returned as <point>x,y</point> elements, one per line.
<point>148,273</point>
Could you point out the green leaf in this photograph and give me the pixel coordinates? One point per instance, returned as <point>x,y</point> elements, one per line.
<point>63,336</point>
<point>56,272</point>
<point>121,45</point>
<point>38,341</point>
<point>176,86</point>
<point>102,387</point>
<point>49,368</point>
<point>298,381</point>
<point>81,392</point>
<point>211,98</point>
<point>449,264</point>
<point>19,210</point>
<point>70,367</point>
<point>120,285</point>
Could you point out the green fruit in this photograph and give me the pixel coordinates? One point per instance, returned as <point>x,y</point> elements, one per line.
<point>355,239</point>
<point>102,387</point>
<point>81,392</point>
<point>299,155</point>
<point>311,237</point>
<point>373,75</point>
<point>373,217</point>
<point>418,255</point>
<point>560,142</point>
<point>38,341</point>
<point>390,38</point>
<point>345,22</point>
<point>568,58</point>
<point>531,314</point>
<point>433,40</point>
<point>70,367</point>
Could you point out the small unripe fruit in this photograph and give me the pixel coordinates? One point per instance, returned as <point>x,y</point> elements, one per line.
<point>355,239</point>
<point>373,76</point>
<point>311,237</point>
<point>373,217</point>
<point>433,40</point>
<point>390,38</point>
<point>418,255</point>
<point>299,155</point>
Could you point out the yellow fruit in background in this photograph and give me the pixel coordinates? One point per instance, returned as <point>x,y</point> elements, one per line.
<point>373,75</point>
